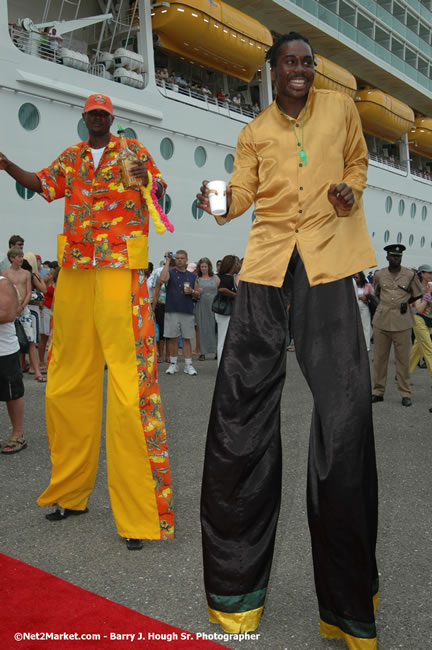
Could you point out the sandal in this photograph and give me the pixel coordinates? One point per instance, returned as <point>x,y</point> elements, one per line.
<point>41,379</point>
<point>134,544</point>
<point>201,357</point>
<point>15,445</point>
<point>62,513</point>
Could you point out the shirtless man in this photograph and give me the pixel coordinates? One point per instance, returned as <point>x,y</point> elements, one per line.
<point>22,281</point>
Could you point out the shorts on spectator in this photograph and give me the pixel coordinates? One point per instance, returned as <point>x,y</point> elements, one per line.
<point>11,379</point>
<point>177,324</point>
<point>45,320</point>
<point>26,320</point>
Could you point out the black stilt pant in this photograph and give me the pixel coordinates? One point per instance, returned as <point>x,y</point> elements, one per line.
<point>242,471</point>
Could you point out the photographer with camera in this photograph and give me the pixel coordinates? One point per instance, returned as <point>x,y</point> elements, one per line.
<point>181,289</point>
<point>396,287</point>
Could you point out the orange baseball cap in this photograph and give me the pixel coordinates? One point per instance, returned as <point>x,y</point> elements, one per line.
<point>100,103</point>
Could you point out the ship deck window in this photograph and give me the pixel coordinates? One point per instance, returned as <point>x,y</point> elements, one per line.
<point>382,37</point>
<point>425,33</point>
<point>167,148</point>
<point>401,207</point>
<point>28,116</point>
<point>413,210</point>
<point>166,203</point>
<point>200,156</point>
<point>399,237</point>
<point>197,213</point>
<point>399,12</point>
<point>411,240</point>
<point>424,213</point>
<point>82,130</point>
<point>386,236</point>
<point>130,133</point>
<point>422,242</point>
<point>229,163</point>
<point>388,204</point>
<point>365,25</point>
<point>347,12</point>
<point>24,193</point>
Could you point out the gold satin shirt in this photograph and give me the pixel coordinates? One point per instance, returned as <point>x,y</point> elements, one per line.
<point>291,204</point>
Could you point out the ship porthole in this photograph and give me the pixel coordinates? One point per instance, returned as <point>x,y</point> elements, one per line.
<point>24,193</point>
<point>413,210</point>
<point>386,236</point>
<point>130,133</point>
<point>229,163</point>
<point>28,116</point>
<point>399,237</point>
<point>165,203</point>
<point>82,130</point>
<point>411,240</point>
<point>422,242</point>
<point>167,148</point>
<point>197,213</point>
<point>424,213</point>
<point>401,207</point>
<point>200,156</point>
<point>388,204</point>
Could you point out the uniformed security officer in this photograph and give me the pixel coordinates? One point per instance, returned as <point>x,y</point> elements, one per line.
<point>395,286</point>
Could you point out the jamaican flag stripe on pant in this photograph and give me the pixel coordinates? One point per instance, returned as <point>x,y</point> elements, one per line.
<point>242,471</point>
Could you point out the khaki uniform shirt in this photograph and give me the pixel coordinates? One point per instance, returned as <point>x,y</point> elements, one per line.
<point>392,290</point>
<point>291,204</point>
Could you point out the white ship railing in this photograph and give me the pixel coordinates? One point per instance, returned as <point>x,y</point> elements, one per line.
<point>171,90</point>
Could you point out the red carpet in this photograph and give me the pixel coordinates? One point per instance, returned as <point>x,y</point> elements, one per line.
<point>34,601</point>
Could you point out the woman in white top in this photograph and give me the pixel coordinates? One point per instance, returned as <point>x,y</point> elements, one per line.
<point>364,288</point>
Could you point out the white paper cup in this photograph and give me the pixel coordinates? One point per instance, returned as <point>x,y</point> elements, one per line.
<point>217,197</point>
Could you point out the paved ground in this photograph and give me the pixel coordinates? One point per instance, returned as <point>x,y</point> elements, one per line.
<point>164,580</point>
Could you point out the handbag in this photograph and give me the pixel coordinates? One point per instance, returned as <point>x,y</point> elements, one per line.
<point>222,305</point>
<point>37,296</point>
<point>372,303</point>
<point>21,336</point>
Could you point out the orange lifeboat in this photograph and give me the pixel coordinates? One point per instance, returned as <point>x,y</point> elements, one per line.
<point>213,34</point>
<point>382,115</point>
<point>420,137</point>
<point>331,76</point>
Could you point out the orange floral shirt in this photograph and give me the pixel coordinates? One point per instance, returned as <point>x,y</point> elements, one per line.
<point>104,224</point>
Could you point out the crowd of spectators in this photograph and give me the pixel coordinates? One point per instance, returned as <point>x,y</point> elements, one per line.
<point>178,83</point>
<point>25,328</point>
<point>191,289</point>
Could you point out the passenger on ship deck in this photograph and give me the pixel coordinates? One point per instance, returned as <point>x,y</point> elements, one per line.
<point>303,161</point>
<point>101,291</point>
<point>396,287</point>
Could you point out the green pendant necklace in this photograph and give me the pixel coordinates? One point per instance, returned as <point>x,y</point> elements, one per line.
<point>302,153</point>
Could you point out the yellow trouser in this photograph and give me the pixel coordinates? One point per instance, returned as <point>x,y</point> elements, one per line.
<point>104,314</point>
<point>422,345</point>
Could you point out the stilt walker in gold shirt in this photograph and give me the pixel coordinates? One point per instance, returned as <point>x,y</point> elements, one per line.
<point>102,313</point>
<point>303,161</point>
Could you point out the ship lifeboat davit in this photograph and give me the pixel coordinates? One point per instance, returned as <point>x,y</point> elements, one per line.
<point>420,137</point>
<point>383,115</point>
<point>213,34</point>
<point>331,76</point>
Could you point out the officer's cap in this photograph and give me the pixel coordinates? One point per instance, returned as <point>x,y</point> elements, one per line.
<point>395,249</point>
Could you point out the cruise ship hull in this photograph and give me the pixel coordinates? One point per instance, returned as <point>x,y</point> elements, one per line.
<point>202,138</point>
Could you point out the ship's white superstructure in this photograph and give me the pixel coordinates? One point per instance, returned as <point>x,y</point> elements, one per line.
<point>191,135</point>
